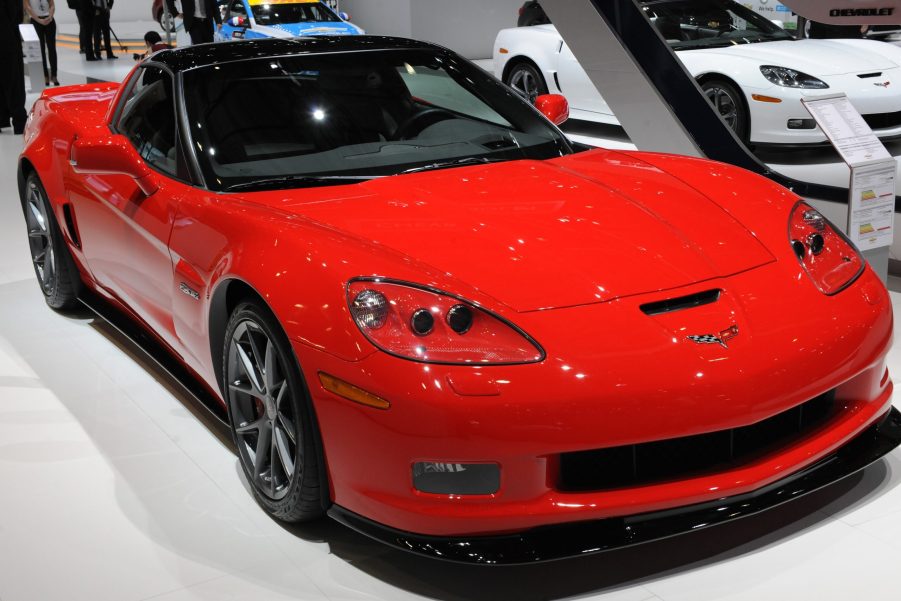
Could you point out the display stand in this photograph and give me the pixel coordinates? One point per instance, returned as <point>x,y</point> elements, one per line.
<point>31,50</point>
<point>871,206</point>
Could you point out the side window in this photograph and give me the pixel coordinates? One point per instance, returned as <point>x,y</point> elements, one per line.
<point>148,119</point>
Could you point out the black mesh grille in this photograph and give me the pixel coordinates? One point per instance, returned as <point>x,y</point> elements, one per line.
<point>883,120</point>
<point>653,462</point>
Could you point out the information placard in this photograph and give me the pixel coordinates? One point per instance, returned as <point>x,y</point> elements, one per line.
<point>846,129</point>
<point>872,211</point>
<point>871,206</point>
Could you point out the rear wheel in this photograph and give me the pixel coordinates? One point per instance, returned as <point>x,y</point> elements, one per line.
<point>729,103</point>
<point>53,265</point>
<point>525,78</point>
<point>271,416</point>
<point>166,21</point>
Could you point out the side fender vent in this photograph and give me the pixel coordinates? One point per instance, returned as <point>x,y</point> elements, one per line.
<point>71,228</point>
<point>683,302</point>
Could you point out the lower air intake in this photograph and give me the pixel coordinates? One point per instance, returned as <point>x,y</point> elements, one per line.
<point>660,461</point>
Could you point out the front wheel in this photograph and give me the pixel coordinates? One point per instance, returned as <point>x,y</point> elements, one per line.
<point>271,416</point>
<point>526,79</point>
<point>53,265</point>
<point>729,103</point>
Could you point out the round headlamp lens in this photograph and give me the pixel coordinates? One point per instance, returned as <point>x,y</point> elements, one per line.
<point>816,242</point>
<point>370,309</point>
<point>422,322</point>
<point>459,318</point>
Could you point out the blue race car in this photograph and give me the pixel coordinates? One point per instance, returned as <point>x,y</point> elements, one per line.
<point>249,19</point>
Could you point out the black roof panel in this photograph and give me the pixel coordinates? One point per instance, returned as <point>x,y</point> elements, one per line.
<point>202,55</point>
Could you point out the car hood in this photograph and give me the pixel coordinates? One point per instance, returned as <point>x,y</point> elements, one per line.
<point>538,235</point>
<point>820,58</point>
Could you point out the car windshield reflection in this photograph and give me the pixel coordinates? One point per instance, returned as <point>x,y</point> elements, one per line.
<point>355,114</point>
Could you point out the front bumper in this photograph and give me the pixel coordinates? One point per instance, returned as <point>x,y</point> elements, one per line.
<point>770,120</point>
<point>549,543</point>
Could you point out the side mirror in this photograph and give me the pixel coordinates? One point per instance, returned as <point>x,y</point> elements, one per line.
<point>238,21</point>
<point>113,155</point>
<point>553,106</point>
<point>344,16</point>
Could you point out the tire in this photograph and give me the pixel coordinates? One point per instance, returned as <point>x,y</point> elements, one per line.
<point>269,407</point>
<point>53,264</point>
<point>166,22</point>
<point>729,102</point>
<point>526,79</point>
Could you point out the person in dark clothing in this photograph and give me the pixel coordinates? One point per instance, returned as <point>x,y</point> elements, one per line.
<point>102,28</point>
<point>822,31</point>
<point>74,5</point>
<point>198,16</point>
<point>85,14</point>
<point>12,68</point>
<point>41,14</point>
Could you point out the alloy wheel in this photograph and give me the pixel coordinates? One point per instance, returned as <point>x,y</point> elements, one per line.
<point>524,81</point>
<point>40,242</point>
<point>263,417</point>
<point>725,104</point>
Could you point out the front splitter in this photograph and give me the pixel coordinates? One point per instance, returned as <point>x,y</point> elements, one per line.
<point>549,543</point>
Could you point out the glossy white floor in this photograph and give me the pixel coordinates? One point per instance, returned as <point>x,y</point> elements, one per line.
<point>114,486</point>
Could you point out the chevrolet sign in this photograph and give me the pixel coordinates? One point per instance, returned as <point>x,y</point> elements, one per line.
<point>861,12</point>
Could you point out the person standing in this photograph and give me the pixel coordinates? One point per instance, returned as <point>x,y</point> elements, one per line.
<point>822,31</point>
<point>41,14</point>
<point>12,67</point>
<point>102,28</point>
<point>74,4</point>
<point>85,14</point>
<point>198,16</point>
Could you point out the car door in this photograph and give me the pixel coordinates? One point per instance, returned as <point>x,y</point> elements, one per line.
<point>576,86</point>
<point>228,31</point>
<point>125,232</point>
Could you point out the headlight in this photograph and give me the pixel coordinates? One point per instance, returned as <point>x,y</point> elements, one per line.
<point>417,323</point>
<point>827,256</point>
<point>789,78</point>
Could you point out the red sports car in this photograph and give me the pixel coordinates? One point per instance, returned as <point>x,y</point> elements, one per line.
<point>429,315</point>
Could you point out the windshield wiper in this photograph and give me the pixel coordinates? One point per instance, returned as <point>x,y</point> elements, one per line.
<point>299,181</point>
<point>703,46</point>
<point>455,163</point>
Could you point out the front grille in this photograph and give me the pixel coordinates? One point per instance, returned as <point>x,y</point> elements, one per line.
<point>660,461</point>
<point>883,120</point>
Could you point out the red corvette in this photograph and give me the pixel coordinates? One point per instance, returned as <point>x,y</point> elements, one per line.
<point>426,314</point>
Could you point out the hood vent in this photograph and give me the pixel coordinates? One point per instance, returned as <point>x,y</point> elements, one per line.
<point>683,302</point>
<point>869,75</point>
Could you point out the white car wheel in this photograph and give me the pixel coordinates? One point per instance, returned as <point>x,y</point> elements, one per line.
<point>728,102</point>
<point>527,80</point>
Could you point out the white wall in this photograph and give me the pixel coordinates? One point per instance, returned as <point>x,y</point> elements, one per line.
<point>123,10</point>
<point>381,17</point>
<point>465,26</point>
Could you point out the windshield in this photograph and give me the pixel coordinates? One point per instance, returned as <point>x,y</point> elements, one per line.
<point>691,24</point>
<point>275,12</point>
<point>353,114</point>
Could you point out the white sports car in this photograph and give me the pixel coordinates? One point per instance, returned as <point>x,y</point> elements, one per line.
<point>754,72</point>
